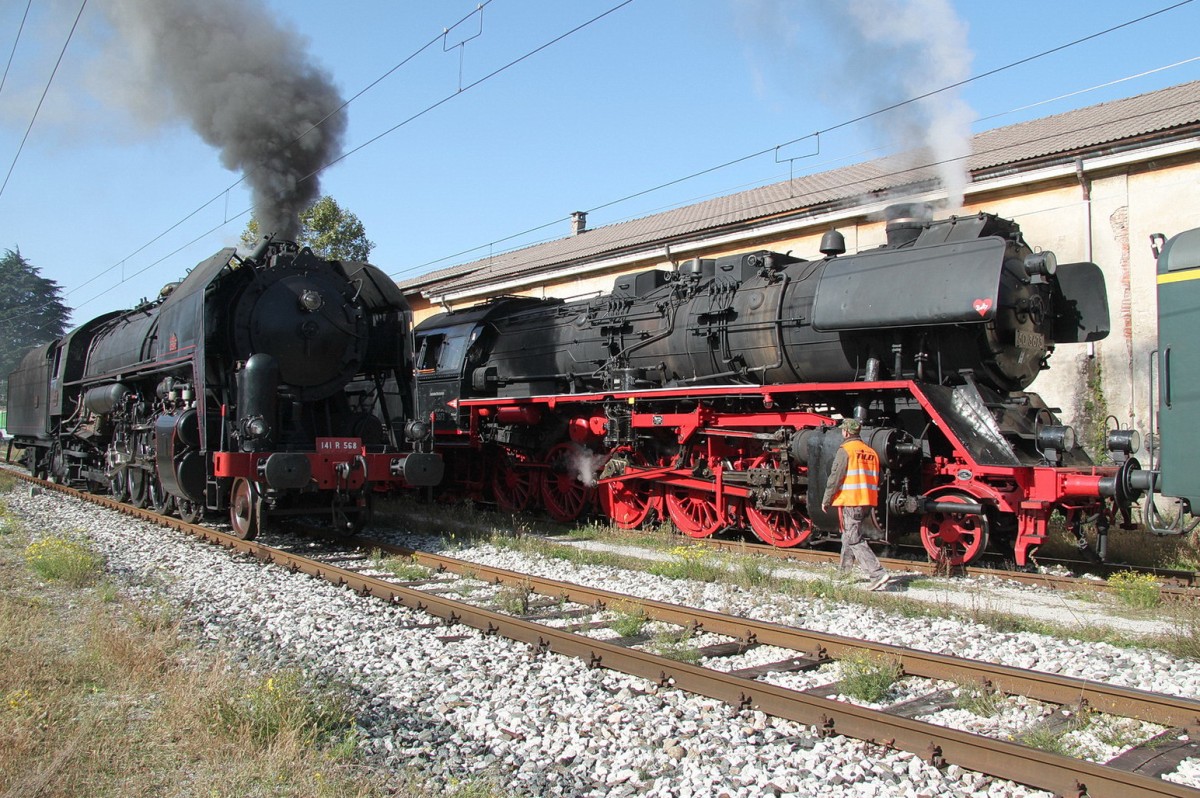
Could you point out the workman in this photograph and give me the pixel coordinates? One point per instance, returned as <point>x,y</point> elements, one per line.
<point>853,488</point>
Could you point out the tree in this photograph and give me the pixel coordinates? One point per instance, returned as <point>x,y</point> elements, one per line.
<point>328,229</point>
<point>31,312</point>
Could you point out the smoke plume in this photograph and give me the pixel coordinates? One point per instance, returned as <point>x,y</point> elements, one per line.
<point>878,53</point>
<point>243,82</point>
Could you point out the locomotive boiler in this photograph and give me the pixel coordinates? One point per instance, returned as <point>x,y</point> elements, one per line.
<point>709,394</point>
<point>260,384</point>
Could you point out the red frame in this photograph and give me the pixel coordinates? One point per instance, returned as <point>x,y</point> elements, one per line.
<point>377,468</point>
<point>1031,493</point>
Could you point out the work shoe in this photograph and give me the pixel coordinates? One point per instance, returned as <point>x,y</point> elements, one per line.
<point>880,583</point>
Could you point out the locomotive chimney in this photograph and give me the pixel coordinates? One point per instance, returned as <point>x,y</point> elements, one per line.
<point>905,221</point>
<point>578,222</point>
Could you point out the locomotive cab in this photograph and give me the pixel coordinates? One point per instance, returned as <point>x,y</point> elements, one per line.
<point>451,362</point>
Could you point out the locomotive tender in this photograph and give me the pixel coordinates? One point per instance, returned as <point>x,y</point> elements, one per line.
<point>261,383</point>
<point>710,394</point>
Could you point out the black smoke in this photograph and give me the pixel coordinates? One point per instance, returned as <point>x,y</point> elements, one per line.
<point>245,83</point>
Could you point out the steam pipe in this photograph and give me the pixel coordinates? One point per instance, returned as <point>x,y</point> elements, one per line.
<point>260,247</point>
<point>1086,188</point>
<point>954,508</point>
<point>900,504</point>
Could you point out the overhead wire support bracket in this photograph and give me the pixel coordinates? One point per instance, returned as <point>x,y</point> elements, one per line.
<point>791,162</point>
<point>461,45</point>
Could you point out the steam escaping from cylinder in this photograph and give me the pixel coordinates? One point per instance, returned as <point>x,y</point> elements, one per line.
<point>243,82</point>
<point>585,465</point>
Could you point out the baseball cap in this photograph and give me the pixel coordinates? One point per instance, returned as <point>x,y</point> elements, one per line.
<point>852,425</point>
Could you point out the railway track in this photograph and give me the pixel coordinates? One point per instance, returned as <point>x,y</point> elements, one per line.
<point>568,619</point>
<point>1174,585</point>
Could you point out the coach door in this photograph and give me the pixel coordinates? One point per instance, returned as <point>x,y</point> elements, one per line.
<point>1179,365</point>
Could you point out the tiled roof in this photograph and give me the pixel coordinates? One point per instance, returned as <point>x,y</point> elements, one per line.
<point>1086,128</point>
<point>1034,141</point>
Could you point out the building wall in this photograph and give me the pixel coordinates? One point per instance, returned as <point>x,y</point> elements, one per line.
<point>1107,219</point>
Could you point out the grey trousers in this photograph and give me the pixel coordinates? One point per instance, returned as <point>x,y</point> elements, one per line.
<point>854,543</point>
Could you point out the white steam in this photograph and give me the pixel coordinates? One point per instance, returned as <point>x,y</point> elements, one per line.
<point>585,465</point>
<point>871,54</point>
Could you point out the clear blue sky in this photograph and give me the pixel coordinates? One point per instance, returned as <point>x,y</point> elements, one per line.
<point>656,91</point>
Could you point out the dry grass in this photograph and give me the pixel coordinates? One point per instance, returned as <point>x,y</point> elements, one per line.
<point>98,701</point>
<point>102,697</point>
<point>1134,547</point>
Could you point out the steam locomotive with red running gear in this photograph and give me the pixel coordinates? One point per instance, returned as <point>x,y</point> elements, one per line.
<point>709,394</point>
<point>262,384</point>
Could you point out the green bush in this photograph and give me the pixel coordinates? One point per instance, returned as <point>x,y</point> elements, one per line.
<point>284,705</point>
<point>64,560</point>
<point>514,599</point>
<point>868,677</point>
<point>690,562</point>
<point>980,699</point>
<point>630,620</point>
<point>676,644</point>
<point>1135,590</point>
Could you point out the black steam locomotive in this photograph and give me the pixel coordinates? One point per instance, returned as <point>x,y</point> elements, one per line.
<point>262,383</point>
<point>709,394</point>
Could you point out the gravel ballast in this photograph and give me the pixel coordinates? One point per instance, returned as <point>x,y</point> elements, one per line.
<point>483,707</point>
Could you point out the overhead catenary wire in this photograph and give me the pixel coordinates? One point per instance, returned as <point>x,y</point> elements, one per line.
<point>16,41</point>
<point>840,125</point>
<point>42,99</point>
<point>613,202</point>
<point>915,168</point>
<point>460,91</point>
<point>225,191</point>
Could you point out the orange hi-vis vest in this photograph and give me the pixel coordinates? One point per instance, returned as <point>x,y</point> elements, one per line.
<point>860,488</point>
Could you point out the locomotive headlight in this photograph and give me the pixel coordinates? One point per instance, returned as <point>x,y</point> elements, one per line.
<point>1041,263</point>
<point>311,301</point>
<point>256,427</point>
<point>1126,441</point>
<point>1057,438</point>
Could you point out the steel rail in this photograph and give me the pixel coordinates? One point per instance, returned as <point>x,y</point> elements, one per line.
<point>939,745</point>
<point>1177,585</point>
<point>1051,688</point>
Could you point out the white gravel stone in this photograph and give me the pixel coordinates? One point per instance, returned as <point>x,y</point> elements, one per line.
<point>549,725</point>
<point>1187,773</point>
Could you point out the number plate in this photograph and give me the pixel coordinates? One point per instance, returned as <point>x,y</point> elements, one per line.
<point>339,445</point>
<point>1031,341</point>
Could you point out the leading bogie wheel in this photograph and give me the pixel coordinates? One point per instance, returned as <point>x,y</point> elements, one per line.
<point>245,509</point>
<point>954,539</point>
<point>190,511</point>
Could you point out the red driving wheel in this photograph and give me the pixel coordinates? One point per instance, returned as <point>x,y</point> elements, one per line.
<point>564,493</point>
<point>628,501</point>
<point>514,484</point>
<point>776,527</point>
<point>693,511</point>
